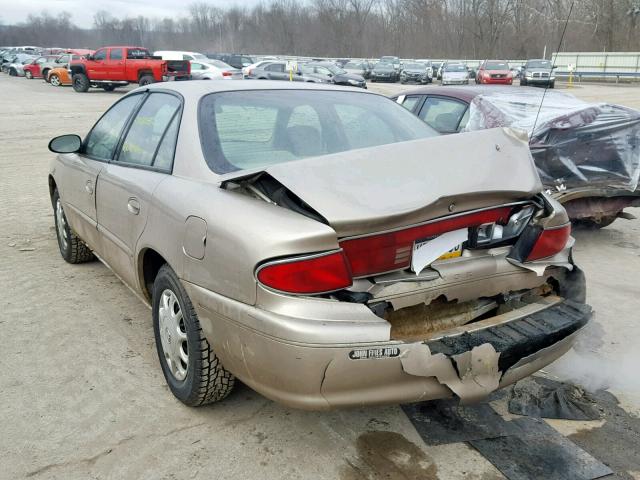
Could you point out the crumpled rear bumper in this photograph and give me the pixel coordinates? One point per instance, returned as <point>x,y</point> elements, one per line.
<point>281,357</point>
<point>472,363</point>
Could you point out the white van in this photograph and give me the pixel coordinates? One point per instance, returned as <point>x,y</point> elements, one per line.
<point>177,55</point>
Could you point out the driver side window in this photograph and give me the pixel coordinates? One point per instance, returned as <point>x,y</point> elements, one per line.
<point>100,55</point>
<point>103,138</point>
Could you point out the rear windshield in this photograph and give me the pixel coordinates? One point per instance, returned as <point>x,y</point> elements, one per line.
<point>254,129</point>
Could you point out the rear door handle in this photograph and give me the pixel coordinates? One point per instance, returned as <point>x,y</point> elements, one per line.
<point>133,206</point>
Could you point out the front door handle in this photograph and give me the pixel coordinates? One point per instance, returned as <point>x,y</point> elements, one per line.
<point>89,187</point>
<point>133,206</point>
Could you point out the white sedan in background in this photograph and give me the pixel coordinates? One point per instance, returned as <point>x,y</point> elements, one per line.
<point>214,70</point>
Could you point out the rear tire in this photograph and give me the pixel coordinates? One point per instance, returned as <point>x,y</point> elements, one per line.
<point>146,80</point>
<point>80,82</point>
<point>192,370</point>
<point>72,248</point>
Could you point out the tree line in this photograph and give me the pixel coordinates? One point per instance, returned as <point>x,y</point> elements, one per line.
<point>356,28</point>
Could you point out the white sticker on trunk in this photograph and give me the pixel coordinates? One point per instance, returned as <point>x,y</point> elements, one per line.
<point>425,253</point>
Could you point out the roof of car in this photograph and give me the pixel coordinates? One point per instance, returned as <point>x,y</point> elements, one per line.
<point>196,89</point>
<point>463,93</point>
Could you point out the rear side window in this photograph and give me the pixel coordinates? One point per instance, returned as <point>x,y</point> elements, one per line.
<point>411,101</point>
<point>443,114</point>
<point>103,138</point>
<point>116,54</point>
<point>148,128</point>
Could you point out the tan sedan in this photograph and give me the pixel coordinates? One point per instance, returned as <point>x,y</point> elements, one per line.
<point>321,244</point>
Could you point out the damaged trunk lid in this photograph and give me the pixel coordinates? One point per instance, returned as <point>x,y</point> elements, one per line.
<point>390,186</point>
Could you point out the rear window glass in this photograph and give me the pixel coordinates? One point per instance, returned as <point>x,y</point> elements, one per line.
<point>254,129</point>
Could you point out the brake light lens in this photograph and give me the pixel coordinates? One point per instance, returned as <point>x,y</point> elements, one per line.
<point>226,74</point>
<point>307,275</point>
<point>550,242</point>
<point>386,252</point>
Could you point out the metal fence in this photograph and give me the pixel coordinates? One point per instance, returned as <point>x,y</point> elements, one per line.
<point>598,64</point>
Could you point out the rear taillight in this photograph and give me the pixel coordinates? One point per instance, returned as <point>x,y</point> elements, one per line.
<point>550,242</point>
<point>375,254</point>
<point>315,274</point>
<point>226,74</point>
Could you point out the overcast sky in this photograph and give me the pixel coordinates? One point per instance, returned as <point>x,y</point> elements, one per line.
<point>82,11</point>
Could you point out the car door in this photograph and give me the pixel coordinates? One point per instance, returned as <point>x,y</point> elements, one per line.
<point>115,64</point>
<point>444,114</point>
<point>97,66</point>
<point>76,174</point>
<point>276,71</point>
<point>126,184</point>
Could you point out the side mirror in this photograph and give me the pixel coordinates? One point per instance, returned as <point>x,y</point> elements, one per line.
<point>65,144</point>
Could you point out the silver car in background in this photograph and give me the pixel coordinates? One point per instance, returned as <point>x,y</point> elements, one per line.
<point>214,70</point>
<point>302,238</point>
<point>454,74</point>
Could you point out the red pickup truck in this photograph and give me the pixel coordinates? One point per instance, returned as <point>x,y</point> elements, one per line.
<point>111,67</point>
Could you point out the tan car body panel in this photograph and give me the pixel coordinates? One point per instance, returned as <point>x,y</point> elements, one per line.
<point>295,349</point>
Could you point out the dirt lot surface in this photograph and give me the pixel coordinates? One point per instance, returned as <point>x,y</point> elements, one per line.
<point>83,395</point>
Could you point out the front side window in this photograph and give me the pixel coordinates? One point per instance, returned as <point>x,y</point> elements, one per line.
<point>103,138</point>
<point>63,59</point>
<point>442,114</point>
<point>254,129</point>
<point>100,55</point>
<point>116,54</point>
<point>148,128</point>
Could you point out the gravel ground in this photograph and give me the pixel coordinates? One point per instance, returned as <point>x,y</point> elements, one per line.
<point>83,395</point>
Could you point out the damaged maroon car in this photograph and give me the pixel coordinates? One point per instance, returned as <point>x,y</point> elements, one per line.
<point>587,155</point>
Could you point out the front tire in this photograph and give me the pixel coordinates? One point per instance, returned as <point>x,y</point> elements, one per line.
<point>28,75</point>
<point>191,368</point>
<point>80,82</point>
<point>72,248</point>
<point>54,80</point>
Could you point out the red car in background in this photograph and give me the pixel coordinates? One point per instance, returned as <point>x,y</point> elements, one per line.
<point>494,72</point>
<point>33,70</point>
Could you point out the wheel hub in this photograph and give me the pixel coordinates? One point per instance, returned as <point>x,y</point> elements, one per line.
<point>173,335</point>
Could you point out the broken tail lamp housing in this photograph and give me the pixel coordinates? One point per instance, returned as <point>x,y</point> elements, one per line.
<point>387,252</point>
<point>537,243</point>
